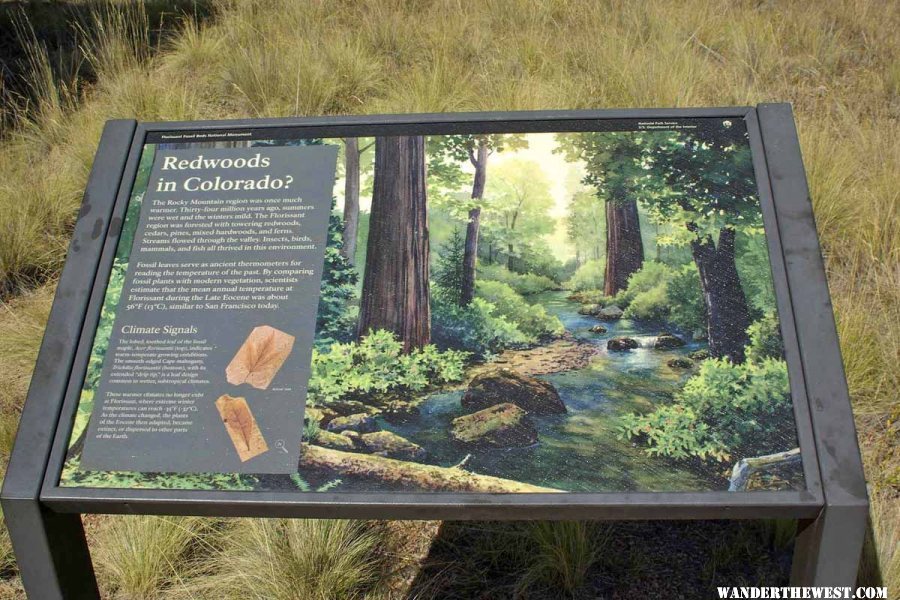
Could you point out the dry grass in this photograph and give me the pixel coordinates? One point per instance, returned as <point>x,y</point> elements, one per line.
<point>148,557</point>
<point>290,559</point>
<point>838,62</point>
<point>21,327</point>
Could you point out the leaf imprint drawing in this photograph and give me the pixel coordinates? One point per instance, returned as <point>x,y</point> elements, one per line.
<point>241,427</point>
<point>260,357</point>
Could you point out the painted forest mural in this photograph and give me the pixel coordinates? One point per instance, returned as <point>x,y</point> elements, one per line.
<point>585,311</point>
<point>526,312</point>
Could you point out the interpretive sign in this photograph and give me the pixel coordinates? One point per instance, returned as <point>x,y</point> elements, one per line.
<point>528,315</point>
<point>566,311</point>
<point>212,299</point>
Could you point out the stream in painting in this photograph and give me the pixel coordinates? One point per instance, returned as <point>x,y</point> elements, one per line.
<point>579,451</point>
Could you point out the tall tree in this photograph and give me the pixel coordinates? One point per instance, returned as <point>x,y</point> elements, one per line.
<point>613,169</point>
<point>624,247</point>
<point>704,181</point>
<point>335,321</point>
<point>395,293</point>
<point>477,149</point>
<point>352,155</point>
<point>519,206</point>
<point>448,268</point>
<point>479,159</point>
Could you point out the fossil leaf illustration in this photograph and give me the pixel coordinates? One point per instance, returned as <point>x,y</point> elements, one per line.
<point>260,357</point>
<point>241,427</point>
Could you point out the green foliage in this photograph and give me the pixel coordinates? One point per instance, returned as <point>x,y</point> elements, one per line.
<point>646,296</point>
<point>522,283</point>
<point>473,328</point>
<point>336,317</point>
<point>765,339</point>
<point>445,155</point>
<point>660,292</point>
<point>448,270</point>
<point>701,178</point>
<point>588,276</point>
<point>517,212</point>
<point>530,319</point>
<point>311,431</point>
<point>377,365</point>
<point>651,275</point>
<point>537,258</point>
<point>649,305</point>
<point>612,160</point>
<point>591,297</point>
<point>723,413</point>
<point>687,310</point>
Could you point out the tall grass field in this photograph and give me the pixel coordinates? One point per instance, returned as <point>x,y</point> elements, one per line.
<point>838,62</point>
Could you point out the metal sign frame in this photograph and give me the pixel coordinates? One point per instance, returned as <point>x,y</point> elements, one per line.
<point>44,519</point>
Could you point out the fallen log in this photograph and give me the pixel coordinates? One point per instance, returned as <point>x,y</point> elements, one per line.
<point>746,467</point>
<point>413,476</point>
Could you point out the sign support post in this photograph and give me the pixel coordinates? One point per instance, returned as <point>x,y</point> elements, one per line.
<point>828,548</point>
<point>51,550</point>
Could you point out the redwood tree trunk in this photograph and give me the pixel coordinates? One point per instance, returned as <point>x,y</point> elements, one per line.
<point>726,304</point>
<point>624,248</point>
<point>470,254</point>
<point>351,197</point>
<point>395,286</point>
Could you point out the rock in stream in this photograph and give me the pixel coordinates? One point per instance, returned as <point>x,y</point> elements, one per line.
<point>501,426</point>
<point>531,394</point>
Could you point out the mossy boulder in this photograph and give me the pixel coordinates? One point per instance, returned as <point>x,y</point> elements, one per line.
<point>312,414</point>
<point>667,341</point>
<point>610,313</point>
<point>345,408</point>
<point>319,414</point>
<point>501,426</point>
<point>353,436</point>
<point>701,354</point>
<point>680,363</point>
<point>400,411</point>
<point>360,423</point>
<point>597,329</point>
<point>589,309</point>
<point>622,344</point>
<point>391,445</point>
<point>328,439</point>
<point>498,386</point>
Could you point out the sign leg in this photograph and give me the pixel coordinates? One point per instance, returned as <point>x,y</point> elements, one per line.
<point>51,552</point>
<point>828,548</point>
